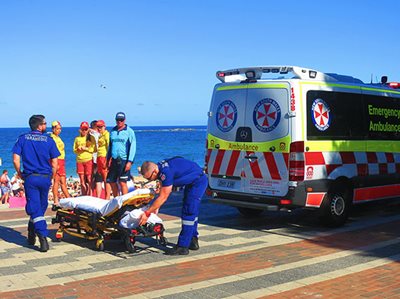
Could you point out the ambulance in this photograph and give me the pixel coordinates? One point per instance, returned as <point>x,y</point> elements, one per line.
<point>292,137</point>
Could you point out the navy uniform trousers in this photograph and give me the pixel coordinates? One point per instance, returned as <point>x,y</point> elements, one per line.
<point>190,210</point>
<point>36,192</point>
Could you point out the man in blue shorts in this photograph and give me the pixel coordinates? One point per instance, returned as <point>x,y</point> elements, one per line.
<point>178,172</point>
<point>120,156</point>
<point>39,153</point>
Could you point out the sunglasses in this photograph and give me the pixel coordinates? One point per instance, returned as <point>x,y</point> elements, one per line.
<point>45,123</point>
<point>150,176</point>
<point>99,127</point>
<point>120,120</point>
<point>84,129</point>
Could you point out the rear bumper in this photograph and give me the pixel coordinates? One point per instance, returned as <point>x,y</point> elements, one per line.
<point>295,198</point>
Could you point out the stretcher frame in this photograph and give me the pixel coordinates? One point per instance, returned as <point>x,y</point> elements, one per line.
<point>94,226</point>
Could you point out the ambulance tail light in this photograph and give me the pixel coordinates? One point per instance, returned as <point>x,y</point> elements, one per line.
<point>296,161</point>
<point>286,202</point>
<point>395,85</point>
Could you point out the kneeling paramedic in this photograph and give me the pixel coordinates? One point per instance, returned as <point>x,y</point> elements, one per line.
<point>39,160</point>
<point>178,172</point>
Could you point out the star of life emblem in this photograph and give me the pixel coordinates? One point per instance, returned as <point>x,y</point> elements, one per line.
<point>320,114</point>
<point>266,115</point>
<point>226,116</point>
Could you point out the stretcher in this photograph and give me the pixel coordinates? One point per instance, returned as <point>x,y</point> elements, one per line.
<point>97,219</point>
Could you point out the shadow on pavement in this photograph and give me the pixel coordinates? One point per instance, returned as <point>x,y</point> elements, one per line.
<point>12,236</point>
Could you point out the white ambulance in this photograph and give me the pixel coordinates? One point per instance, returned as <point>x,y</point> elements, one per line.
<point>289,137</point>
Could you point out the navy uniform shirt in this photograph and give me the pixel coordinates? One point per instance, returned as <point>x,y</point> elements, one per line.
<point>178,172</point>
<point>36,150</point>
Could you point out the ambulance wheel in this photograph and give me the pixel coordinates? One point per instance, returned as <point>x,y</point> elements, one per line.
<point>130,244</point>
<point>335,208</point>
<point>250,212</point>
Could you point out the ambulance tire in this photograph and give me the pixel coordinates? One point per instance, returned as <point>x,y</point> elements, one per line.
<point>335,207</point>
<point>250,212</point>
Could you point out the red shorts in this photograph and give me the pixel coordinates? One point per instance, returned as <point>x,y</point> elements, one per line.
<point>85,168</point>
<point>101,165</point>
<point>61,168</point>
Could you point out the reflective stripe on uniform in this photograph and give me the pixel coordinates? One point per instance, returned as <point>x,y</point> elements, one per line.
<point>37,219</point>
<point>188,222</point>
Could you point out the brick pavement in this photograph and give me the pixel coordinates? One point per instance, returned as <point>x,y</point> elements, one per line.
<point>239,258</point>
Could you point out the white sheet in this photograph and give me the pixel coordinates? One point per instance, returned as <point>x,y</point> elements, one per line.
<point>131,219</point>
<point>98,205</point>
<point>104,207</point>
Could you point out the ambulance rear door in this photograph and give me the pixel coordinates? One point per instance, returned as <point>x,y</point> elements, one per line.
<point>226,117</point>
<point>265,160</point>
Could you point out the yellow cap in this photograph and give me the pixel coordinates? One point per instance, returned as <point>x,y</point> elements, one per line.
<point>55,123</point>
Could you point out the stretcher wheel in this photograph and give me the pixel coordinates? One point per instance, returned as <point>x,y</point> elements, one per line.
<point>130,244</point>
<point>59,235</point>
<point>163,241</point>
<point>100,244</point>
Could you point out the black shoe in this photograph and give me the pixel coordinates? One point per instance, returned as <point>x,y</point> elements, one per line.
<point>44,246</point>
<point>31,235</point>
<point>177,250</point>
<point>194,244</point>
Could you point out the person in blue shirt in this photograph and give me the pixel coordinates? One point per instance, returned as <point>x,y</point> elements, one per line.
<point>178,172</point>
<point>120,156</point>
<point>39,154</point>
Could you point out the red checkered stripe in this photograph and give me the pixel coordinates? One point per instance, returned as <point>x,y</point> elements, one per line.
<point>350,164</point>
<point>331,165</point>
<point>271,166</point>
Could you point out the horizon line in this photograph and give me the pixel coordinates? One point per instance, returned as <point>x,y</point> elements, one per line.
<point>138,126</point>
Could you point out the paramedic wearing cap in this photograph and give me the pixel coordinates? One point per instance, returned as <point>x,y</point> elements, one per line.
<point>120,156</point>
<point>60,176</point>
<point>39,154</point>
<point>178,172</point>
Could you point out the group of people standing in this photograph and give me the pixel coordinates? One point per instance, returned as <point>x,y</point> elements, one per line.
<point>103,159</point>
<point>10,187</point>
<point>43,160</point>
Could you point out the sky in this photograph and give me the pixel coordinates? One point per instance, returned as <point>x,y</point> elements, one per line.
<point>156,61</point>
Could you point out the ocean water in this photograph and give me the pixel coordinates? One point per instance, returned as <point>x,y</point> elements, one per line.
<point>152,143</point>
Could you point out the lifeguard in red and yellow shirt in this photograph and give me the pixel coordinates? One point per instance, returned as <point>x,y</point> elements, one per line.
<point>84,147</point>
<point>60,176</point>
<point>103,143</point>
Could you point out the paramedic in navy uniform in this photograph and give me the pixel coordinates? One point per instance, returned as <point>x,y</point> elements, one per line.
<point>39,153</point>
<point>178,172</point>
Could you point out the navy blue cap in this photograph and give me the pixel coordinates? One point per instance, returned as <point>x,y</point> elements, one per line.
<point>120,116</point>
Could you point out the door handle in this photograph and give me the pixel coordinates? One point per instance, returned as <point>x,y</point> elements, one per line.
<point>251,157</point>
